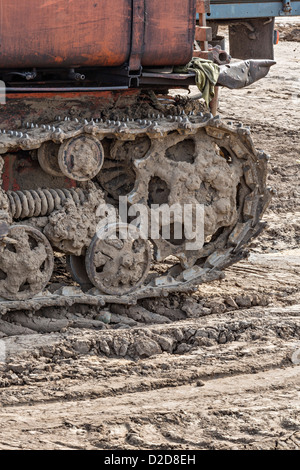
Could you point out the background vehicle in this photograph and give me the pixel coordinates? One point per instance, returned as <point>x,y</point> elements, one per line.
<point>251,25</point>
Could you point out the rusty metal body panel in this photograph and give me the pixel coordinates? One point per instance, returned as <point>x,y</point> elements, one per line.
<point>169,32</point>
<point>85,33</point>
<point>54,33</point>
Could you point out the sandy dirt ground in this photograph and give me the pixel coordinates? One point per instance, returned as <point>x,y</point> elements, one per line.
<point>215,370</point>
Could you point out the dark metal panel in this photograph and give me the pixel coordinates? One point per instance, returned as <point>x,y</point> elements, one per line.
<point>253,40</point>
<point>138,34</point>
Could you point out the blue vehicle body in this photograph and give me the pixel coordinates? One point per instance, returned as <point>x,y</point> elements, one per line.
<point>251,24</point>
<point>226,9</point>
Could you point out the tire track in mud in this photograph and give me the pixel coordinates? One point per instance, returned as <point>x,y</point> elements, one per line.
<point>215,416</point>
<point>275,331</point>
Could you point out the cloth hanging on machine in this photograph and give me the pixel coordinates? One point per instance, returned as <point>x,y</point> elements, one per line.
<point>207,74</point>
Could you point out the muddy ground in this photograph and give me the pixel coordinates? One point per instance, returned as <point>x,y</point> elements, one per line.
<point>215,370</point>
<point>289,29</point>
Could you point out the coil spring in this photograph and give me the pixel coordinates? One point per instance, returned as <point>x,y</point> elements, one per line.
<point>41,202</point>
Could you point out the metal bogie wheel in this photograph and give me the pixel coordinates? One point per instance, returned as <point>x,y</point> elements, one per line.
<point>81,158</point>
<point>118,260</point>
<point>26,263</point>
<point>76,266</point>
<point>48,158</point>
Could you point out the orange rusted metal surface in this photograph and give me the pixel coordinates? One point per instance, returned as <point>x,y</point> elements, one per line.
<point>51,33</point>
<point>169,32</point>
<point>105,33</point>
<point>101,95</point>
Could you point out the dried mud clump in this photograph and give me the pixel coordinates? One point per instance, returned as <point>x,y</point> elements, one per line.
<point>72,228</point>
<point>289,33</point>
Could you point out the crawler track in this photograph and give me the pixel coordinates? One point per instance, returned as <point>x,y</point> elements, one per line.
<point>234,156</point>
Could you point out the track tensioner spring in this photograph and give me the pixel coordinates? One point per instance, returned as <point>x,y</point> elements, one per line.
<point>41,202</point>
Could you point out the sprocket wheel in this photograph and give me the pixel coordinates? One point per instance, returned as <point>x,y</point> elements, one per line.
<point>217,167</point>
<point>211,164</point>
<point>26,263</point>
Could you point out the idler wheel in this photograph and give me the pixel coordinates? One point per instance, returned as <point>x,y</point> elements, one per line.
<point>81,158</point>
<point>47,157</point>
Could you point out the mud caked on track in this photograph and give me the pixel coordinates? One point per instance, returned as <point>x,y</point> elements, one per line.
<point>212,369</point>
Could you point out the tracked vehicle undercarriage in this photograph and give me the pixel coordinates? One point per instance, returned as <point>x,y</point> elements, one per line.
<point>182,155</point>
<point>88,124</point>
